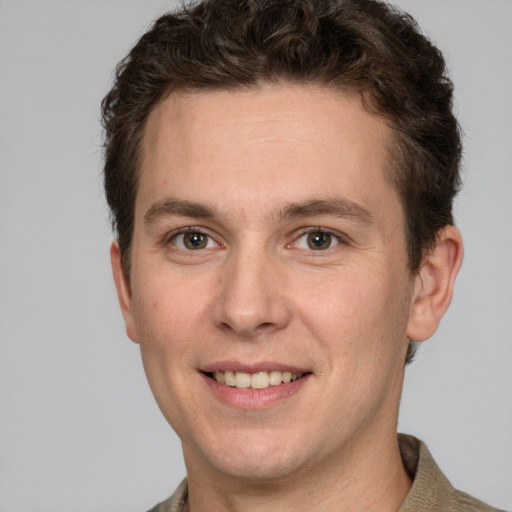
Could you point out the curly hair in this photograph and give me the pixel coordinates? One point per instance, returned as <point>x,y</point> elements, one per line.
<point>366,47</point>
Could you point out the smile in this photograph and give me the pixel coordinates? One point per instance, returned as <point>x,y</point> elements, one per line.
<point>258,380</point>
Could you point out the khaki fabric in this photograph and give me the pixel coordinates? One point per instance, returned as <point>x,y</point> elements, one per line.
<point>430,492</point>
<point>176,502</point>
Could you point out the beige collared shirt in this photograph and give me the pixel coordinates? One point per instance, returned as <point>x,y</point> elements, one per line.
<point>430,492</point>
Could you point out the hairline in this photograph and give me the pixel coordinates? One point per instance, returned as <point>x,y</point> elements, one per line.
<point>393,168</point>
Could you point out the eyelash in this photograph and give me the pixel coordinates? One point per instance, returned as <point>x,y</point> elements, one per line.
<point>193,230</point>
<point>336,237</point>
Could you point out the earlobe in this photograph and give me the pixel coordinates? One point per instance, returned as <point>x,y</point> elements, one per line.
<point>124,293</point>
<point>434,284</point>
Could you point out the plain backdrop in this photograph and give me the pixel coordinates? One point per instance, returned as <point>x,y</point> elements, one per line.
<point>79,429</point>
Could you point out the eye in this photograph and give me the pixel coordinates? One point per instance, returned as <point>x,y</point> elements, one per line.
<point>193,241</point>
<point>317,240</point>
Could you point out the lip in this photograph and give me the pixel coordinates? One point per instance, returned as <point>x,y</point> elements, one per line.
<point>262,366</point>
<point>249,398</point>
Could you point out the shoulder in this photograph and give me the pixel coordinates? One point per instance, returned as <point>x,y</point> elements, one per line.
<point>460,501</point>
<point>431,491</point>
<point>176,502</point>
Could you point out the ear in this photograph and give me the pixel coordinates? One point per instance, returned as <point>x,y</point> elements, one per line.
<point>124,292</point>
<point>433,289</point>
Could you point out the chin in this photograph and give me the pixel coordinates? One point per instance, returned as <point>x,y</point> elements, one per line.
<point>262,471</point>
<point>255,460</point>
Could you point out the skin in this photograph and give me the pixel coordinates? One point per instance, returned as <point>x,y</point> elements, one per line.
<point>256,172</point>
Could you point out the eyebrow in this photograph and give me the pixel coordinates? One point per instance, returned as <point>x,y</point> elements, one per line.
<point>336,207</point>
<point>170,207</point>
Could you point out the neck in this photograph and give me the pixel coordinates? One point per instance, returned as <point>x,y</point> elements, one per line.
<point>356,480</point>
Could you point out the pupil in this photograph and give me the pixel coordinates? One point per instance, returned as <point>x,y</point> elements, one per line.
<point>195,240</point>
<point>319,240</point>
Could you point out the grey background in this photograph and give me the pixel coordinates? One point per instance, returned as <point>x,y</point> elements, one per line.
<point>79,430</point>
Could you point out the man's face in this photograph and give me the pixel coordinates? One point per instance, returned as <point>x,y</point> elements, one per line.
<point>268,242</point>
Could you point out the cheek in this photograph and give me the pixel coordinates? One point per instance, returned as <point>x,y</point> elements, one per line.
<point>356,315</point>
<point>167,326</point>
<point>167,312</point>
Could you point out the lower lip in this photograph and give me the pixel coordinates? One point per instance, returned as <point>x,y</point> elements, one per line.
<point>249,398</point>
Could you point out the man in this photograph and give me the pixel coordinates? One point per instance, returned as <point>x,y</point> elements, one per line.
<point>281,177</point>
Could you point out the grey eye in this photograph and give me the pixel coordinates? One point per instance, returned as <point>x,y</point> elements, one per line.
<point>193,241</point>
<point>317,241</point>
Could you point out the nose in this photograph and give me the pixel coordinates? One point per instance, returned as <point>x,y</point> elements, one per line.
<point>252,300</point>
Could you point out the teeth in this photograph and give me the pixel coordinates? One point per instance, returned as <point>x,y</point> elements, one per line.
<point>242,380</point>
<point>229,378</point>
<point>276,378</point>
<point>260,380</point>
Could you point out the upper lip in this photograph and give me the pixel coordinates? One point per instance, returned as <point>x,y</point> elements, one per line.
<point>262,366</point>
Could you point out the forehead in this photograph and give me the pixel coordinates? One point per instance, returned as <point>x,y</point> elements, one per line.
<point>261,144</point>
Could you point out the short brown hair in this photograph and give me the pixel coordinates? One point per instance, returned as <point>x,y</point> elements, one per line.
<point>362,46</point>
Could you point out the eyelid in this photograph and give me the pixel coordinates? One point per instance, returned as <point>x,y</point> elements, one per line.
<point>340,237</point>
<point>169,237</point>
